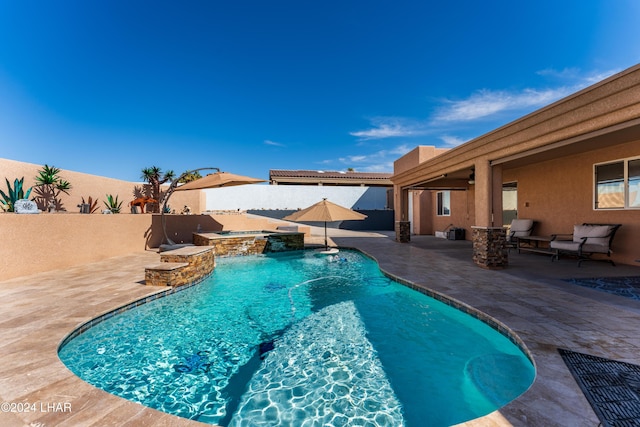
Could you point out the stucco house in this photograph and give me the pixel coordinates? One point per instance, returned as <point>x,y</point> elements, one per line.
<point>574,161</point>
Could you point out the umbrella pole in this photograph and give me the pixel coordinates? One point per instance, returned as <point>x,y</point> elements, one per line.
<point>326,245</point>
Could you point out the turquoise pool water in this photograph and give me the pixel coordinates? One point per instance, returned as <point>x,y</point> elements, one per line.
<point>294,339</point>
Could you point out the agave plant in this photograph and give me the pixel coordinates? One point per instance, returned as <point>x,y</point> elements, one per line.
<point>113,204</point>
<point>16,193</point>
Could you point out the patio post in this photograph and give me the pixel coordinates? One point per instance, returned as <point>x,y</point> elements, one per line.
<point>489,237</point>
<point>402,224</point>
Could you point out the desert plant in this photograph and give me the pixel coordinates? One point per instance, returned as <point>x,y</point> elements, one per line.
<point>155,177</point>
<point>49,185</point>
<point>190,176</point>
<point>113,204</point>
<point>16,193</point>
<point>93,204</point>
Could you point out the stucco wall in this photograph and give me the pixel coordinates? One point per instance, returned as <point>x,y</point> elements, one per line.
<point>559,193</point>
<point>462,212</point>
<point>416,156</point>
<point>97,187</point>
<point>37,243</point>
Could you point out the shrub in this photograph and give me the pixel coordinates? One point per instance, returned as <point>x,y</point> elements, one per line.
<point>113,204</point>
<point>16,193</point>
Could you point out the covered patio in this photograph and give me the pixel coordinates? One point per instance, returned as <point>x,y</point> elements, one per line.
<point>559,160</point>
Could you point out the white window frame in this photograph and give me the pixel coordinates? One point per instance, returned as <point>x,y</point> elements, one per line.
<point>443,203</point>
<point>625,182</point>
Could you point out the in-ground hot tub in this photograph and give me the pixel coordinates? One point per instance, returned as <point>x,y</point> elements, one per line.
<point>232,243</point>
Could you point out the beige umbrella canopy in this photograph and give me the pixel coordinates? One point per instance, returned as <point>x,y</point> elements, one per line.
<point>214,180</point>
<point>325,211</point>
<point>218,179</point>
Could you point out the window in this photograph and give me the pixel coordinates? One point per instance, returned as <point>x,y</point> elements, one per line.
<point>633,194</point>
<point>443,203</point>
<point>617,184</point>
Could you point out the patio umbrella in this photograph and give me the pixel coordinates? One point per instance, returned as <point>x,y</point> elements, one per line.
<point>218,179</point>
<point>213,180</point>
<point>325,211</point>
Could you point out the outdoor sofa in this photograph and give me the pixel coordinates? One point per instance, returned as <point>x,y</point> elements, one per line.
<point>586,240</point>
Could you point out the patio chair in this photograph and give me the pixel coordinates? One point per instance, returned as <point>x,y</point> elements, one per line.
<point>518,228</point>
<point>586,240</point>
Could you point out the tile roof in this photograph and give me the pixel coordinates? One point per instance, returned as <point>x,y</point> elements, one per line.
<point>279,173</point>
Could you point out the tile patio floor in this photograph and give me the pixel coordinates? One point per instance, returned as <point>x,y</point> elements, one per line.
<point>38,311</point>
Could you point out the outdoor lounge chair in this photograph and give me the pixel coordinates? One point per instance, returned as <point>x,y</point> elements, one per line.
<point>518,228</point>
<point>586,240</point>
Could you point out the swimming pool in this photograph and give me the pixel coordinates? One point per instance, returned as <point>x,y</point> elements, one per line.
<point>297,339</point>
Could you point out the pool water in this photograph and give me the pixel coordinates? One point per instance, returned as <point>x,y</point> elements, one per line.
<point>297,339</point>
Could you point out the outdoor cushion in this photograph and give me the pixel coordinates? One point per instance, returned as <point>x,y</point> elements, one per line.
<point>565,245</point>
<point>595,234</point>
<point>600,249</point>
<point>570,246</point>
<point>521,227</point>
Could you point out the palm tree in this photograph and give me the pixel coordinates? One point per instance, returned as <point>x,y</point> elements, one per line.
<point>155,177</point>
<point>48,187</point>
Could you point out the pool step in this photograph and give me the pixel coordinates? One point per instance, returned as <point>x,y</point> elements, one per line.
<point>181,267</point>
<point>164,273</point>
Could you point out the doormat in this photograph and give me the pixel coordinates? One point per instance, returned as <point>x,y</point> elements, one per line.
<point>626,286</point>
<point>611,387</point>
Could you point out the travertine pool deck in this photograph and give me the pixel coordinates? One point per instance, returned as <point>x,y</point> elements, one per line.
<point>38,311</point>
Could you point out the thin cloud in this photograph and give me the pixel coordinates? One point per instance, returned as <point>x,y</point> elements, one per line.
<point>387,128</point>
<point>596,77</point>
<point>378,161</point>
<point>273,143</point>
<point>354,159</point>
<point>567,73</point>
<point>578,79</point>
<point>452,141</point>
<point>486,103</point>
<point>379,167</point>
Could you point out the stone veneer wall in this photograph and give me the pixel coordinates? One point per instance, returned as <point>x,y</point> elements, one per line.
<point>403,231</point>
<point>183,266</point>
<point>251,244</point>
<point>489,247</point>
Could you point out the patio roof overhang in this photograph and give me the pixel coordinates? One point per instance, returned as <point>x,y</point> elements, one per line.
<point>455,180</point>
<point>455,176</point>
<point>602,138</point>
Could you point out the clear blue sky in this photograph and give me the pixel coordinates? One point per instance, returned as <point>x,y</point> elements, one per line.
<point>110,87</point>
